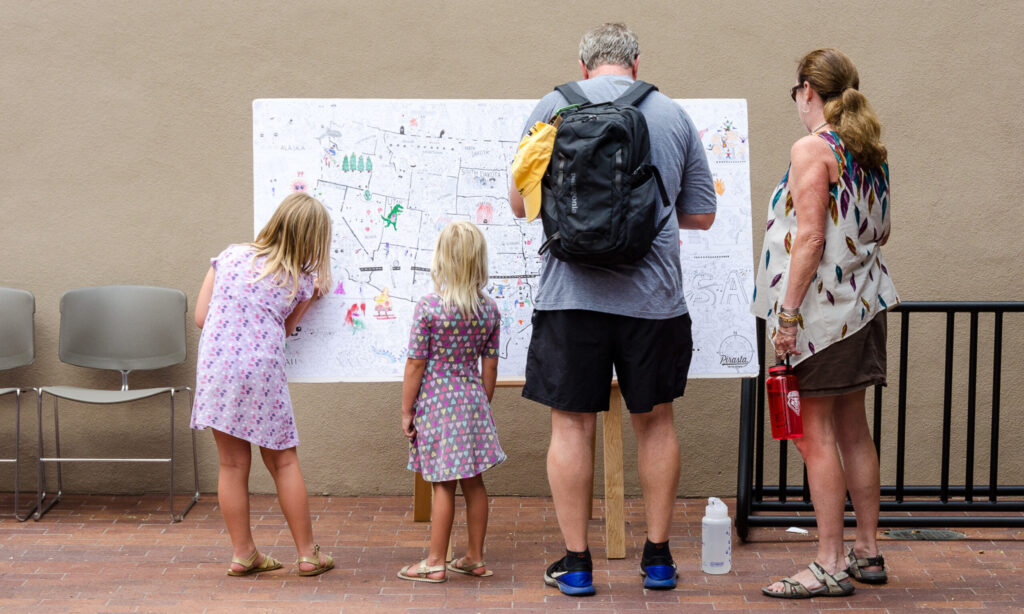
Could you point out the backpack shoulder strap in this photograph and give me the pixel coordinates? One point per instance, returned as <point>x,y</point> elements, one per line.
<point>636,93</point>
<point>572,93</point>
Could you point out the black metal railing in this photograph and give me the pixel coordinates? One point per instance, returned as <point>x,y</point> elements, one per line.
<point>773,505</point>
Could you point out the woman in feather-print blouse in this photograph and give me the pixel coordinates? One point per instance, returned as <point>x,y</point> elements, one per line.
<point>823,287</point>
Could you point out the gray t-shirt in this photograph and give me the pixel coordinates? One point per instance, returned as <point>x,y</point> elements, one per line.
<point>651,288</point>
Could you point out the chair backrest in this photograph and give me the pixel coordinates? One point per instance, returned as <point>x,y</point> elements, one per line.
<point>17,328</point>
<point>124,328</point>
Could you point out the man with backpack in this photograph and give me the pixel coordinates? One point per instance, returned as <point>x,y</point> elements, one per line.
<point>611,289</point>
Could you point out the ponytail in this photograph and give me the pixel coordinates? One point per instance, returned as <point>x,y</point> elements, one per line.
<point>834,77</point>
<point>851,115</point>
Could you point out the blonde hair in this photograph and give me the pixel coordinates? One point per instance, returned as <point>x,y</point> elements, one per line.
<point>296,240</point>
<point>459,266</point>
<point>832,74</point>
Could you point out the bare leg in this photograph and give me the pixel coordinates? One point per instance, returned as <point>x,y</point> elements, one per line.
<point>658,465</point>
<point>476,520</point>
<point>571,472</point>
<point>860,462</point>
<point>827,484</point>
<point>233,493</point>
<point>291,492</point>
<point>442,514</point>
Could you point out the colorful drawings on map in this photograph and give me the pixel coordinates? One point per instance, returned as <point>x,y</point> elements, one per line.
<point>484,213</point>
<point>340,289</point>
<point>719,186</point>
<point>299,184</point>
<point>352,164</point>
<point>392,218</point>
<point>383,308</point>
<point>354,317</point>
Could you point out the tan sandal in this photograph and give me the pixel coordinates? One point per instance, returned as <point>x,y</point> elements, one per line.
<point>318,567</point>
<point>422,573</point>
<point>459,566</point>
<point>855,568</point>
<point>832,585</point>
<point>249,565</point>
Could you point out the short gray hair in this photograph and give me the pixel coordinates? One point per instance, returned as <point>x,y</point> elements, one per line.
<point>611,43</point>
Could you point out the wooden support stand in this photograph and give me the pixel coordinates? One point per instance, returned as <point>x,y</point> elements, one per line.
<point>614,497</point>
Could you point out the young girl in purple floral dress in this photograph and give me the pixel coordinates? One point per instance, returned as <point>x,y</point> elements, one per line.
<point>253,297</point>
<point>449,382</point>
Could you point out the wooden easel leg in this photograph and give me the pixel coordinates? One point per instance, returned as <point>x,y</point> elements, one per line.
<point>614,503</point>
<point>421,495</point>
<point>593,455</point>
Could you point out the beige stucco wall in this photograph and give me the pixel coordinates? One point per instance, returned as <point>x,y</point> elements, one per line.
<point>126,156</point>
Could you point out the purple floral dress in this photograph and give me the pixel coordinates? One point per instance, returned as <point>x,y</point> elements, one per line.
<point>241,386</point>
<point>455,434</point>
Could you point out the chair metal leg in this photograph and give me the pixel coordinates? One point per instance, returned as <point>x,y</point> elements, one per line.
<point>17,456</point>
<point>42,506</point>
<point>195,467</point>
<point>41,476</point>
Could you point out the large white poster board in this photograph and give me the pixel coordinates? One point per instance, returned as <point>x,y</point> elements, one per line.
<point>394,172</point>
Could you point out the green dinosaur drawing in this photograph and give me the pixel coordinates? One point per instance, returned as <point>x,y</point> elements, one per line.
<point>392,218</point>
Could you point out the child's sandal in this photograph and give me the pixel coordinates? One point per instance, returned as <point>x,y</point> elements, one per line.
<point>459,566</point>
<point>421,572</point>
<point>318,567</point>
<point>249,565</point>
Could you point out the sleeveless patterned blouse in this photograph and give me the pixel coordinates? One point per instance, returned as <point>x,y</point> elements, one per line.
<point>852,283</point>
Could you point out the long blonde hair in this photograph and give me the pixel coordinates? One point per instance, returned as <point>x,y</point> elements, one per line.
<point>296,240</point>
<point>459,267</point>
<point>832,74</point>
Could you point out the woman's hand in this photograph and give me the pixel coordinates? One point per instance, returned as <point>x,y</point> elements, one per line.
<point>785,341</point>
<point>408,428</point>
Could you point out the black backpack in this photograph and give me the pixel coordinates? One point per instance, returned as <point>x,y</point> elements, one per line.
<point>600,191</point>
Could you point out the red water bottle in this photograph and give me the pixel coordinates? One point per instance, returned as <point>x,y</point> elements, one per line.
<point>784,402</point>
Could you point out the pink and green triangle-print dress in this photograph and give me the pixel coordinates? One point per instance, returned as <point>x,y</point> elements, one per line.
<point>455,433</point>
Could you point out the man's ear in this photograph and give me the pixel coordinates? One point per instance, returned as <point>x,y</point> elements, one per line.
<point>636,64</point>
<point>586,73</point>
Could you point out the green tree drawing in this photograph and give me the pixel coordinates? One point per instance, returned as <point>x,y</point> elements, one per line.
<point>344,164</point>
<point>369,165</point>
<point>361,167</point>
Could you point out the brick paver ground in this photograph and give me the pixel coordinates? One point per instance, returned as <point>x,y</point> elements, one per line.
<point>119,554</point>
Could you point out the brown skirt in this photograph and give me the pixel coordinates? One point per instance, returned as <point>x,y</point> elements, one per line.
<point>855,363</point>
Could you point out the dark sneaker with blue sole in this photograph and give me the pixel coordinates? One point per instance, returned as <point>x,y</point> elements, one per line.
<point>572,575</point>
<point>659,571</point>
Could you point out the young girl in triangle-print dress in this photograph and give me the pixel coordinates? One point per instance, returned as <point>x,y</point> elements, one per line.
<point>449,381</point>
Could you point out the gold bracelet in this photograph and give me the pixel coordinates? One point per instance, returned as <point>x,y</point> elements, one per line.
<point>789,320</point>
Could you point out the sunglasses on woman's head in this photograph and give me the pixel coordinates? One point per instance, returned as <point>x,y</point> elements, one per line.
<point>793,90</point>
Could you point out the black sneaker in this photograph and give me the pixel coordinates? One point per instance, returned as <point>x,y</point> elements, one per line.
<point>658,568</point>
<point>573,575</point>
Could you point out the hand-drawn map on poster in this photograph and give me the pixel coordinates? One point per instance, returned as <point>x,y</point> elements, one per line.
<point>392,173</point>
